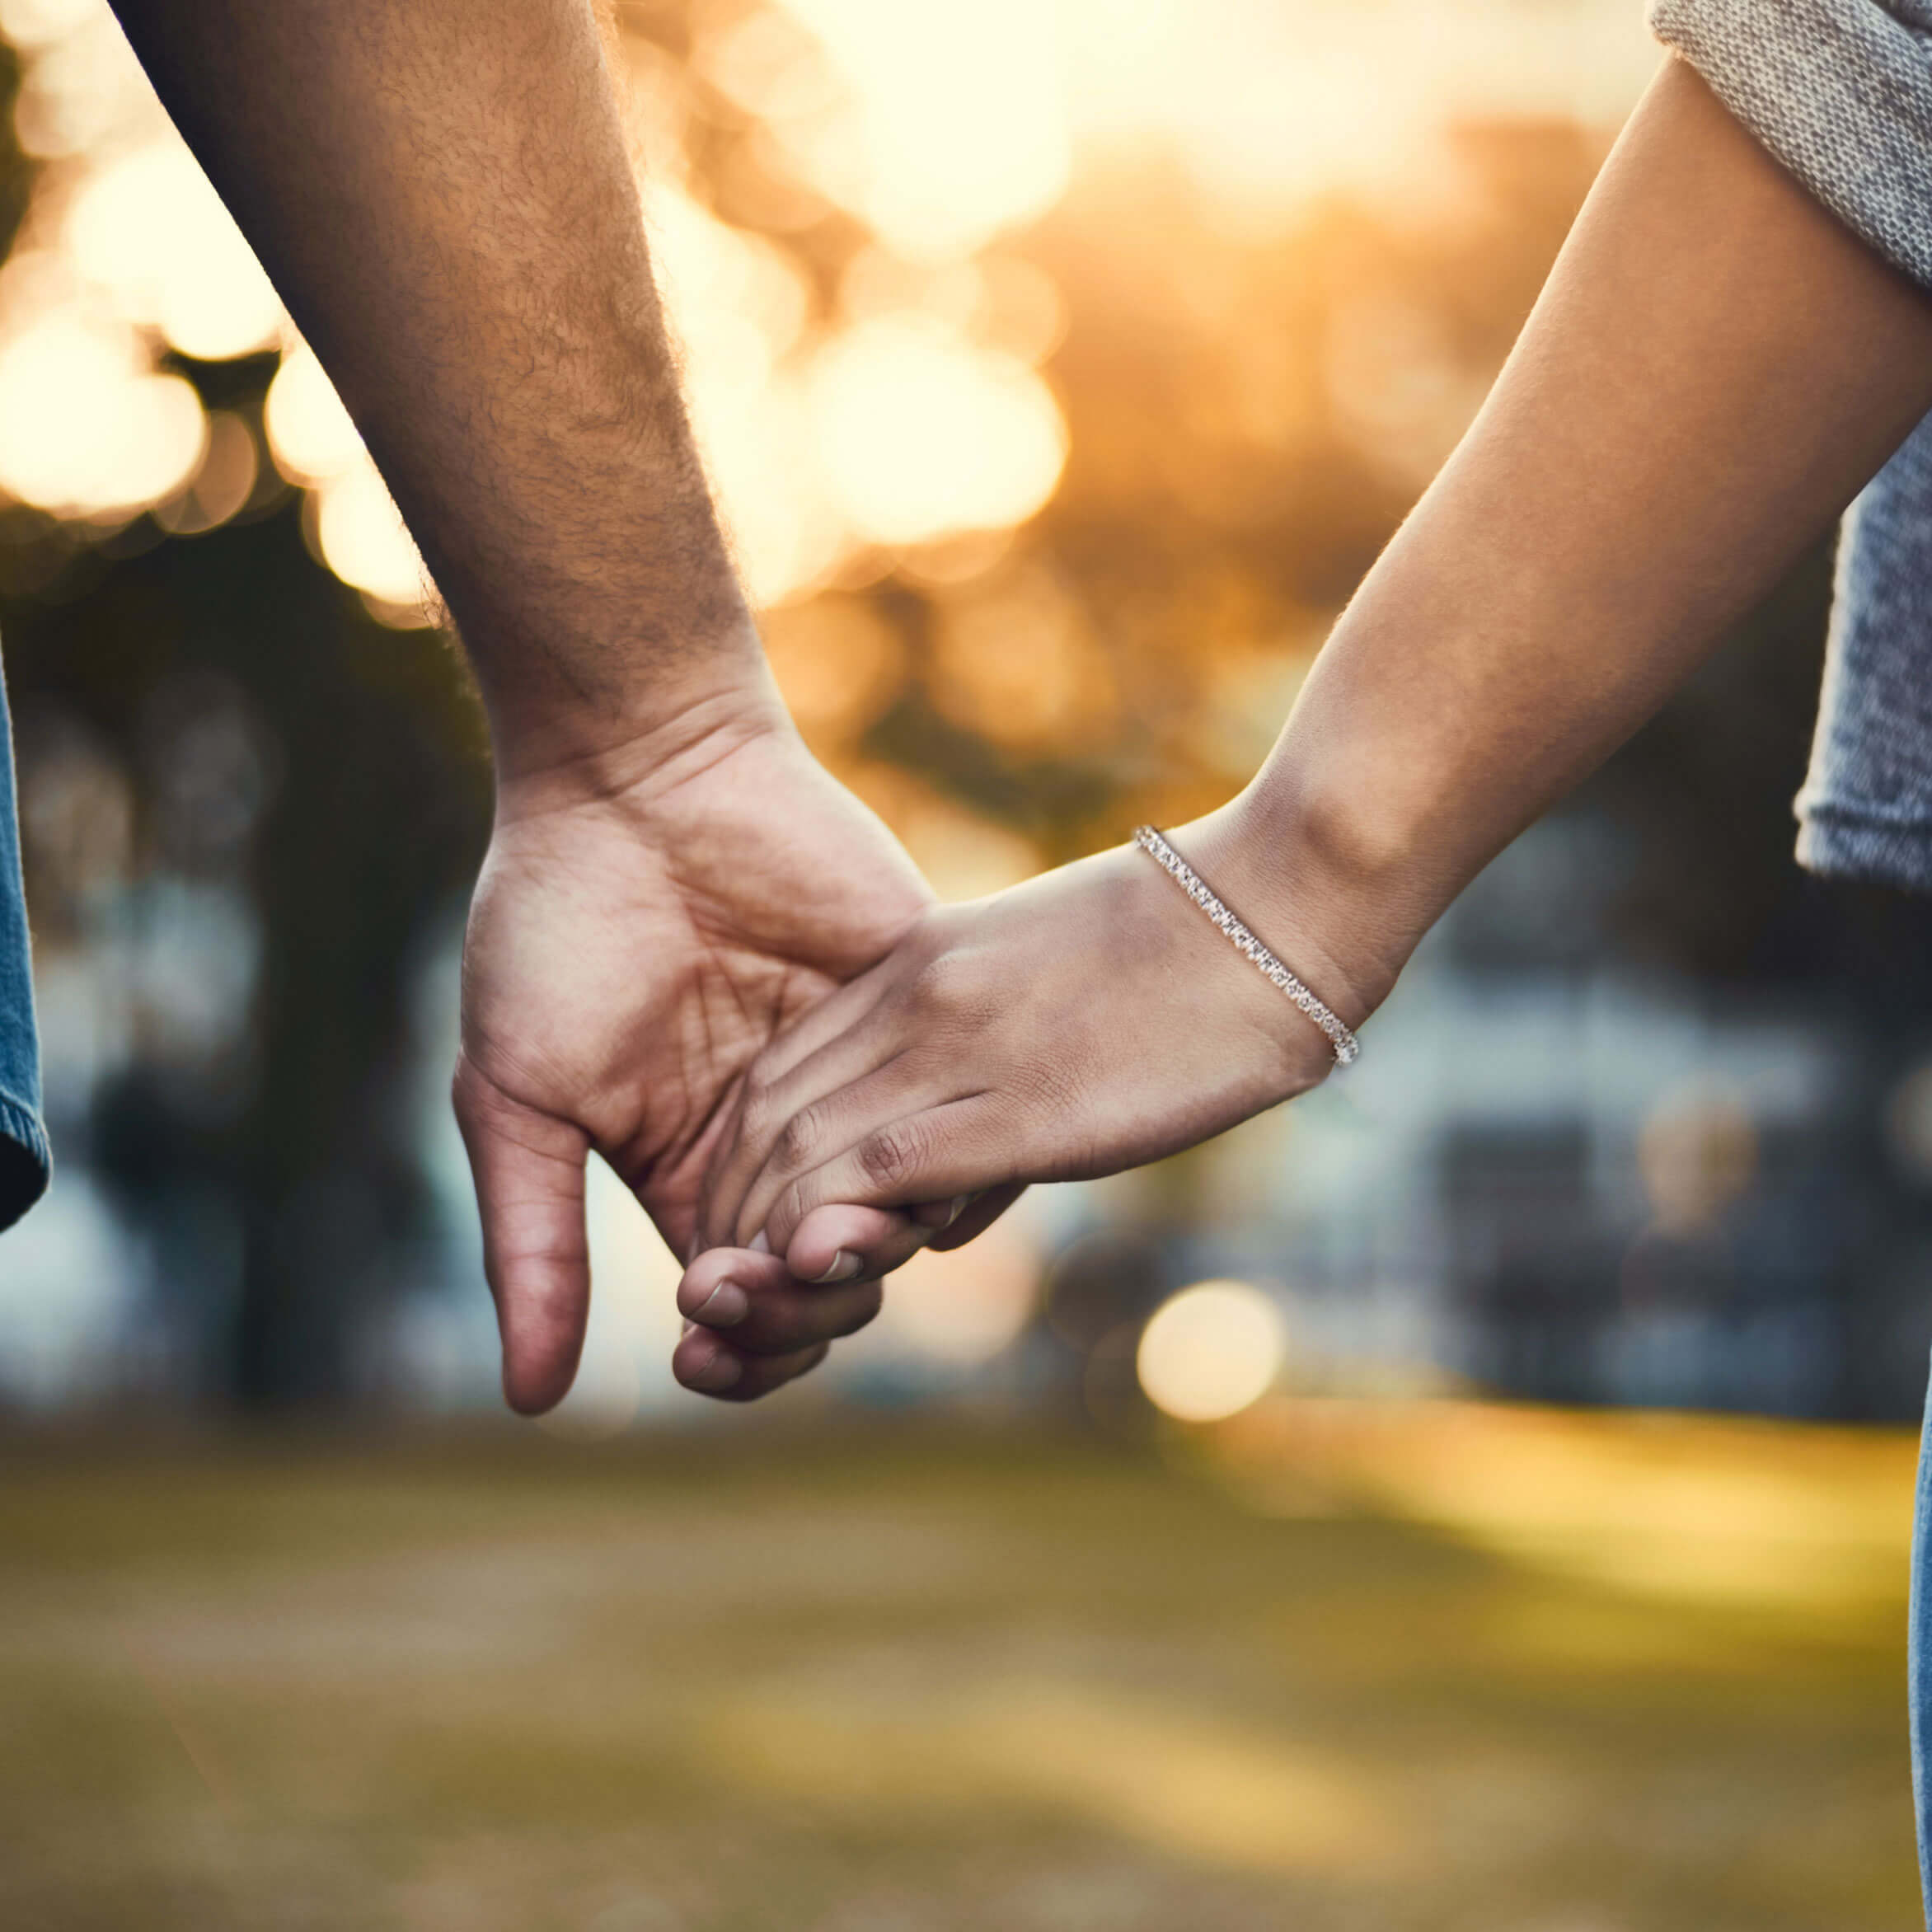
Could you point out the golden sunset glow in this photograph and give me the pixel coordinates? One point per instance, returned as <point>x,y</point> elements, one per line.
<point>838,439</point>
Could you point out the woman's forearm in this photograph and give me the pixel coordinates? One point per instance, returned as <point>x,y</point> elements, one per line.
<point>1715,368</point>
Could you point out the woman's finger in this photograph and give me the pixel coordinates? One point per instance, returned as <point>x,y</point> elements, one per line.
<point>980,1213</point>
<point>859,1244</point>
<point>838,1012</point>
<point>768,1101</point>
<point>844,1242</point>
<point>958,1146</point>
<point>828,1120</point>
<point>753,1304</point>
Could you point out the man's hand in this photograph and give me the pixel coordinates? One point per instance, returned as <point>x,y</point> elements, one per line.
<point>441,191</point>
<point>634,943</point>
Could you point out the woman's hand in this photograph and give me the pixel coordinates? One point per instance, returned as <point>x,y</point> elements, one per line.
<point>1086,1022</point>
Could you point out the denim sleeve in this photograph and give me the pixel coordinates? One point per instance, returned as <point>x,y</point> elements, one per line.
<point>1839,91</point>
<point>1919,1658</point>
<point>25,1158</point>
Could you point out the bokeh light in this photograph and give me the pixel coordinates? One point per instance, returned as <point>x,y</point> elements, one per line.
<point>1697,1152</point>
<point>222,486</point>
<point>360,535</point>
<point>148,226</point>
<point>85,427</point>
<point>956,128</point>
<point>923,433</point>
<point>309,430</point>
<point>352,523</point>
<point>1212,1350</point>
<point>912,412</point>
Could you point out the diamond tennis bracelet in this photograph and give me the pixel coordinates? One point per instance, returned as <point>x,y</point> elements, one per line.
<point>1345,1042</point>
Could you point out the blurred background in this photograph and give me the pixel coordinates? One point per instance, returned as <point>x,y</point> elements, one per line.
<point>1309,1530</point>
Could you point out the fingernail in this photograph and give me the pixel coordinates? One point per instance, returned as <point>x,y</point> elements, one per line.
<point>719,1372</point>
<point>726,1306</point>
<point>758,1244</point>
<point>955,1208</point>
<point>845,1264</point>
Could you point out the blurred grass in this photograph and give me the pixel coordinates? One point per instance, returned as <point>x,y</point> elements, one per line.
<point>1331,1668</point>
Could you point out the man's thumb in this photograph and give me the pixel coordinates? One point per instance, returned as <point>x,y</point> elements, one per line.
<point>528,1168</point>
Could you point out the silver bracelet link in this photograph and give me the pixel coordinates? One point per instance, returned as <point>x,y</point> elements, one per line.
<point>1150,840</point>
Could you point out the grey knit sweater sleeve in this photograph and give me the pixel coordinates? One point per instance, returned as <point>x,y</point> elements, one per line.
<point>1840,90</point>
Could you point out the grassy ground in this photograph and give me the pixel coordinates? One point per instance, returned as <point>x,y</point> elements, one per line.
<point>1466,1670</point>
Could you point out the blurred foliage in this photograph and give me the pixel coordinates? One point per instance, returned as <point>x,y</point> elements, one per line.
<point>1248,421</point>
<point>271,1164</point>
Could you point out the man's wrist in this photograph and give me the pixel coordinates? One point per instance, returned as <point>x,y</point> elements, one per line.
<point>559,757</point>
<point>622,618</point>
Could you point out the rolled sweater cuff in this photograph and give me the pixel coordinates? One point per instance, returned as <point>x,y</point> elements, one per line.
<point>1839,91</point>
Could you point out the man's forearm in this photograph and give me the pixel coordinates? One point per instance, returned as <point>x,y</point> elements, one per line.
<point>441,191</point>
<point>1715,368</point>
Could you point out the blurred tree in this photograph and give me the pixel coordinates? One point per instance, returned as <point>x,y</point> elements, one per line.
<point>377,816</point>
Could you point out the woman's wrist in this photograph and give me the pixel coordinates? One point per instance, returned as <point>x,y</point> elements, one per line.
<point>1337,907</point>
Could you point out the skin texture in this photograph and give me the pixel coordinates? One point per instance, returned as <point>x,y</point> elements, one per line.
<point>1082,1022</point>
<point>624,963</point>
<point>441,191</point>
<point>1715,368</point>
